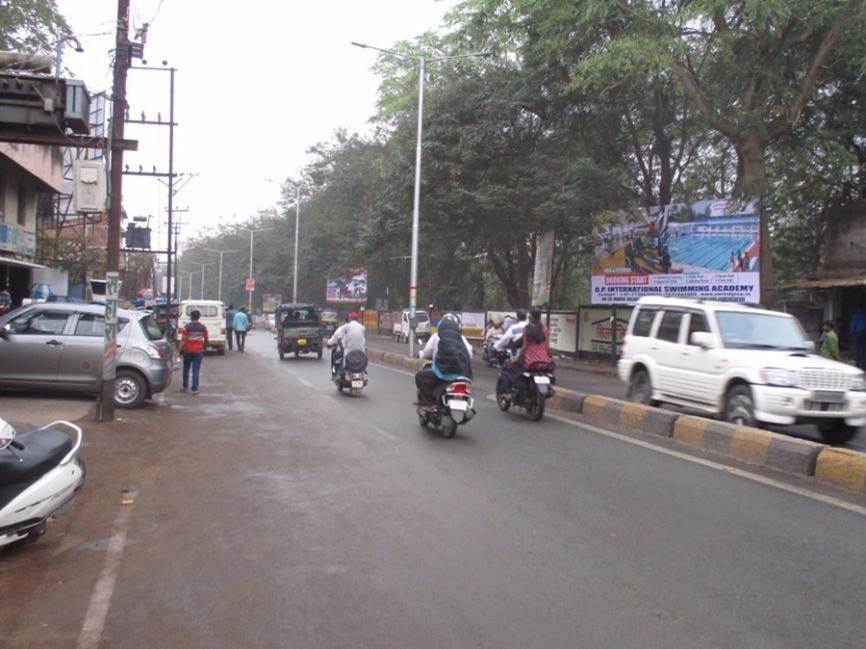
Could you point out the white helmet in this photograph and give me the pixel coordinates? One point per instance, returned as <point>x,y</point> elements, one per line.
<point>450,317</point>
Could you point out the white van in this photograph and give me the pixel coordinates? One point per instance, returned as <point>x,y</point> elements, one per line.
<point>402,328</point>
<point>213,316</point>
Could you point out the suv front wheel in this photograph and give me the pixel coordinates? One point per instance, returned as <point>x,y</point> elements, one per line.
<point>837,431</point>
<point>739,406</point>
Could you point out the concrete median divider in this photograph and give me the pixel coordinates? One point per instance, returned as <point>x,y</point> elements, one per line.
<point>748,444</point>
<point>835,466</point>
<point>630,415</point>
<point>843,468</point>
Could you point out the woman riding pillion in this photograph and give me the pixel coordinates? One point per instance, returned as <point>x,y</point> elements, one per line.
<point>534,350</point>
<point>451,354</point>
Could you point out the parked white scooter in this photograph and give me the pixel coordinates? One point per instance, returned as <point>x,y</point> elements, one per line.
<point>40,472</point>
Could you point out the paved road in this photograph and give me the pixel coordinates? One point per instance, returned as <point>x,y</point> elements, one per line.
<point>272,512</point>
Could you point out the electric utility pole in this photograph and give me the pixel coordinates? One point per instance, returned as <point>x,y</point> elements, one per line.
<point>112,259</point>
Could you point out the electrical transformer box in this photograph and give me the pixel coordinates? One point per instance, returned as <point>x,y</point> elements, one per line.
<point>90,192</point>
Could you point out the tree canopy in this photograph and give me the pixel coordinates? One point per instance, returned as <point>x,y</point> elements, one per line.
<point>581,107</point>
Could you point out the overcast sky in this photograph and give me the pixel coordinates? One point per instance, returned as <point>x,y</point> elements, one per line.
<point>258,82</point>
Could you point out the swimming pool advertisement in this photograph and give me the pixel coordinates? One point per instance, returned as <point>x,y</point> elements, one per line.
<point>705,250</point>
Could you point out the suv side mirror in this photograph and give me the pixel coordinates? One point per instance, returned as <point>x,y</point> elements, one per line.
<point>5,330</point>
<point>702,339</point>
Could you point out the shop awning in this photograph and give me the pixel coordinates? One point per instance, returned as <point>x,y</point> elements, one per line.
<point>828,282</point>
<point>9,261</point>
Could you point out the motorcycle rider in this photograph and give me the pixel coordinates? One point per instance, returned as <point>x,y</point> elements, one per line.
<point>451,354</point>
<point>534,349</point>
<point>348,337</point>
<point>511,340</point>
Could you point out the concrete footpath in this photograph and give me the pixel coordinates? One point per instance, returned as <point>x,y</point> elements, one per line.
<point>31,410</point>
<point>839,467</point>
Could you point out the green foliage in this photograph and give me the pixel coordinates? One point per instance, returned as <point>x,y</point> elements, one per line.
<point>30,26</point>
<point>582,107</point>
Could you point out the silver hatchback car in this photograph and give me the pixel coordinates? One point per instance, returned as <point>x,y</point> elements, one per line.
<point>59,346</point>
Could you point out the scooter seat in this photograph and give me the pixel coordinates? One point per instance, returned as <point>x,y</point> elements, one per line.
<point>43,450</point>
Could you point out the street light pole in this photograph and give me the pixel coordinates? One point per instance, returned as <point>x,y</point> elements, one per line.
<point>252,239</point>
<point>203,266</point>
<point>416,202</point>
<point>416,209</point>
<point>220,280</point>
<point>297,230</point>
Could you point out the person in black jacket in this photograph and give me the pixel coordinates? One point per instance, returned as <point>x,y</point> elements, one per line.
<point>451,354</point>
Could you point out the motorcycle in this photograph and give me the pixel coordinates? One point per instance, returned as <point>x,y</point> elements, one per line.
<point>351,373</point>
<point>454,407</point>
<point>40,472</point>
<point>491,356</point>
<point>529,391</point>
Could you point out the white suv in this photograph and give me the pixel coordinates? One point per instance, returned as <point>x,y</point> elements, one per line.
<point>748,365</point>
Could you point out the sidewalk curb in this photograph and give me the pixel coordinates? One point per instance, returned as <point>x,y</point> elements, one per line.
<point>839,467</point>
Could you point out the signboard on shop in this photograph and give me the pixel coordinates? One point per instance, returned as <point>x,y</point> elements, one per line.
<point>14,238</point>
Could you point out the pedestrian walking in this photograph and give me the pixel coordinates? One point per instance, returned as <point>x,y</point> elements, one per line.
<point>241,325</point>
<point>193,342</point>
<point>230,325</point>
<point>857,329</point>
<point>830,342</point>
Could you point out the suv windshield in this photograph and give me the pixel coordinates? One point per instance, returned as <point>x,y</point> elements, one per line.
<point>421,316</point>
<point>760,331</point>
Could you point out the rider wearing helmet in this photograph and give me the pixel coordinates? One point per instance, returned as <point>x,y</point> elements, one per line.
<point>451,354</point>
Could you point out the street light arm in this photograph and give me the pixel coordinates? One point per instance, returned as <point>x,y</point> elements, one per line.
<point>399,55</point>
<point>416,57</point>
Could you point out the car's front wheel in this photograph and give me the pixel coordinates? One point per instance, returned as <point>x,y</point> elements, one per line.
<point>130,389</point>
<point>837,431</point>
<point>740,406</point>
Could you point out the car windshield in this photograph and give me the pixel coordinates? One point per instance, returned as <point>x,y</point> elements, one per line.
<point>206,310</point>
<point>420,316</point>
<point>760,331</point>
<point>150,328</point>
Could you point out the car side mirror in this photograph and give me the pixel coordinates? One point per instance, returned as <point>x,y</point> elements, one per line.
<point>7,434</point>
<point>5,330</point>
<point>702,339</point>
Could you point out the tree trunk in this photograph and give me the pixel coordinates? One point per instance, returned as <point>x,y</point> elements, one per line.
<point>751,183</point>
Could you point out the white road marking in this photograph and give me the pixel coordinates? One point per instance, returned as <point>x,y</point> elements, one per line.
<point>393,369</point>
<point>385,434</point>
<point>748,475</point>
<point>100,599</point>
<point>305,382</point>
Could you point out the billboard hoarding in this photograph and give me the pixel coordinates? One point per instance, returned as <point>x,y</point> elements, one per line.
<point>563,332</point>
<point>595,331</point>
<point>473,323</point>
<point>347,286</point>
<point>708,249</point>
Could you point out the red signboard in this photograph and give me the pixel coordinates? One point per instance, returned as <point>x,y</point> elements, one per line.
<point>251,284</point>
